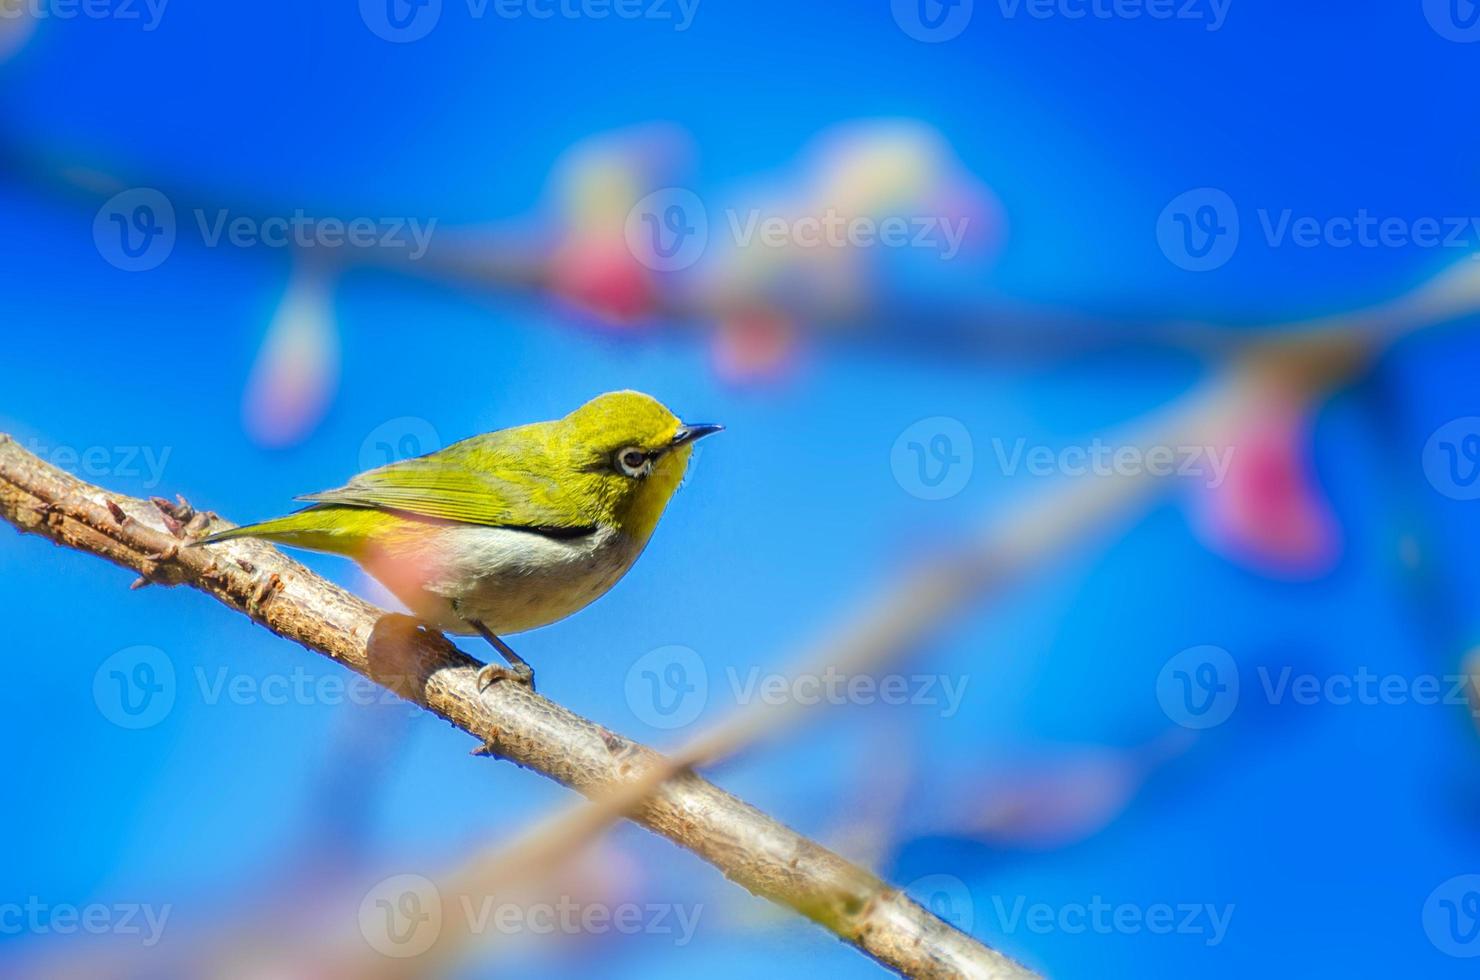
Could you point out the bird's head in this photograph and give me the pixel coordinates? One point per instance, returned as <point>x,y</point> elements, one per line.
<point>633,452</point>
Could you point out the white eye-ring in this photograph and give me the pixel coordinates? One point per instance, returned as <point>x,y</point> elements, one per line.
<point>634,462</point>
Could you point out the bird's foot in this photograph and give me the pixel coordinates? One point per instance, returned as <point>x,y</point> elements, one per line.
<point>493,673</point>
<point>519,671</point>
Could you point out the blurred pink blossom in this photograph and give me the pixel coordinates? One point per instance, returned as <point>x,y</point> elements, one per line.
<point>602,276</point>
<point>754,345</point>
<point>1270,513</point>
<point>863,175</point>
<point>297,368</point>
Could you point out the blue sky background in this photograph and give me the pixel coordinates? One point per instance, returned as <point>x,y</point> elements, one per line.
<point>1326,827</point>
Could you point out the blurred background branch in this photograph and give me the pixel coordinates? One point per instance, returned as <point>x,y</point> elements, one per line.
<point>1299,366</point>
<point>1064,300</point>
<point>575,252</point>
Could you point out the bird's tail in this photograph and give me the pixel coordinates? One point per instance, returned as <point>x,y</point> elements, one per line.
<point>262,529</point>
<point>312,528</point>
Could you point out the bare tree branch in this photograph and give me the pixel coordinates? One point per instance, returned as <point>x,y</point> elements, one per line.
<point>906,613</point>
<point>661,792</point>
<point>749,847</point>
<point>512,264</point>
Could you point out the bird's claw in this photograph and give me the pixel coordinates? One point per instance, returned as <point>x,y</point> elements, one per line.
<point>492,673</point>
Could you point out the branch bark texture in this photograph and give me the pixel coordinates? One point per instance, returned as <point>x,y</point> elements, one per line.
<point>749,847</point>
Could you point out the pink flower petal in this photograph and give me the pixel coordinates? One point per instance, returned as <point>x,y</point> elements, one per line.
<point>755,345</point>
<point>1270,513</point>
<point>600,275</point>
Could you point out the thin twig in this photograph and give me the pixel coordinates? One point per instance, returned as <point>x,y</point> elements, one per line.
<point>663,793</point>
<point>749,847</point>
<point>1302,365</point>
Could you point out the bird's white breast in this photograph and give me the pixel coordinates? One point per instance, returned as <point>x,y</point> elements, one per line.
<point>506,579</point>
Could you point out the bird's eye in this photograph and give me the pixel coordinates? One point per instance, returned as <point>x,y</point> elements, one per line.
<point>633,462</point>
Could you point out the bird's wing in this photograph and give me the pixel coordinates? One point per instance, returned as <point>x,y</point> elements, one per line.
<point>472,482</point>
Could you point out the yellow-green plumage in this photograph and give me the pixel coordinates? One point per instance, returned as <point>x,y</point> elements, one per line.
<point>515,528</point>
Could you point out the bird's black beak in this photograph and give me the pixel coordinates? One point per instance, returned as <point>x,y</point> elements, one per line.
<point>690,433</point>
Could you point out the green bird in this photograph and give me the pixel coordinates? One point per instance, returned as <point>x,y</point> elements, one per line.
<point>510,530</point>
